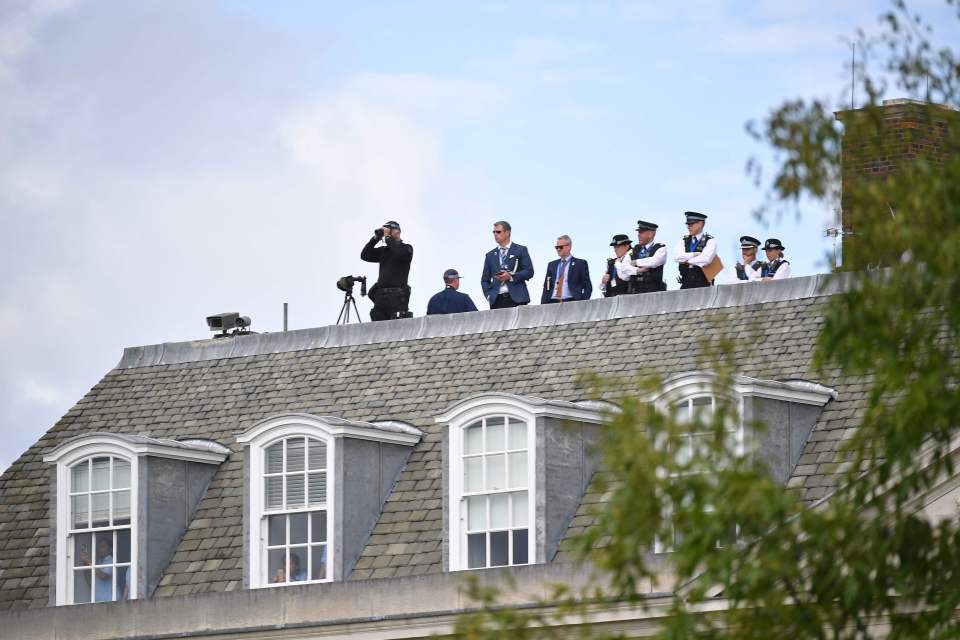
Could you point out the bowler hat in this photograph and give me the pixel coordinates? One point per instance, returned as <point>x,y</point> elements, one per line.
<point>773,243</point>
<point>620,238</point>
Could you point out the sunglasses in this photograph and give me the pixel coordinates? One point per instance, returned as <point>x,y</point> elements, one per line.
<point>561,246</point>
<point>497,232</point>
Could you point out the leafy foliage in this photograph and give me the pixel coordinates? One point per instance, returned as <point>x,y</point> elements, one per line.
<point>864,562</point>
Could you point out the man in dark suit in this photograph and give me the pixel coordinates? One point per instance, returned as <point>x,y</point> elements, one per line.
<point>568,278</point>
<point>506,270</point>
<point>450,300</point>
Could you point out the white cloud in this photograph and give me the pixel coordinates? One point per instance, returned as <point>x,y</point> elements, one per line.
<point>21,22</point>
<point>156,179</point>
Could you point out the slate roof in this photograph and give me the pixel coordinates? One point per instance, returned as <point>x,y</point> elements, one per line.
<point>407,371</point>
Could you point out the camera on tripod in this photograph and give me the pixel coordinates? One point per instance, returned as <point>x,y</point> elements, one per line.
<point>346,283</point>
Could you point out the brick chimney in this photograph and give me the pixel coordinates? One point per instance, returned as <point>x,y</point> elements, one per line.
<point>879,141</point>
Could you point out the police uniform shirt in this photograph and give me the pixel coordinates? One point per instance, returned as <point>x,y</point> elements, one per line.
<point>752,274</point>
<point>652,261</point>
<point>706,256</point>
<point>503,253</point>
<point>624,267</point>
<point>783,271</point>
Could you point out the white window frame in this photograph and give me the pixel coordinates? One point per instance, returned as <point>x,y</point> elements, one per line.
<point>258,440</point>
<point>132,449</point>
<point>528,409</point>
<point>64,570</point>
<point>685,387</point>
<point>458,502</point>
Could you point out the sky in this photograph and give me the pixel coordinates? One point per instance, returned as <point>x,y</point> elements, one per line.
<point>163,161</point>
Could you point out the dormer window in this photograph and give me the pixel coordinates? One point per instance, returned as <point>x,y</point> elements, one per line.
<point>312,497</point>
<point>514,475</point>
<point>788,410</point>
<point>100,479</point>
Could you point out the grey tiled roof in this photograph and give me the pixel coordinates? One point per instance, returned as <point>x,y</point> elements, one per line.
<point>361,374</point>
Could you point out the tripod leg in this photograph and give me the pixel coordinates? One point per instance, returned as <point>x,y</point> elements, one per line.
<point>354,310</point>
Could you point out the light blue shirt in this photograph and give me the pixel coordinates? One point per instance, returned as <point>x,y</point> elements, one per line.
<point>564,290</point>
<point>103,591</point>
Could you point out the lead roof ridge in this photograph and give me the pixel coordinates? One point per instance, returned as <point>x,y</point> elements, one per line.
<point>480,322</point>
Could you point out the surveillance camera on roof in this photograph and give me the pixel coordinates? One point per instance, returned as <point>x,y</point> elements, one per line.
<point>224,322</point>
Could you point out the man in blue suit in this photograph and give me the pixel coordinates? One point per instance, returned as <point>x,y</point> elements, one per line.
<point>568,278</point>
<point>450,300</point>
<point>506,270</point>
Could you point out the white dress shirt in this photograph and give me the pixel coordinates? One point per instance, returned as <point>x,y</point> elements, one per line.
<point>652,261</point>
<point>706,256</point>
<point>624,267</point>
<point>503,286</point>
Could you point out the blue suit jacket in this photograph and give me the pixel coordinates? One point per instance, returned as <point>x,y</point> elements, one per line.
<point>520,267</point>
<point>450,301</point>
<point>578,280</point>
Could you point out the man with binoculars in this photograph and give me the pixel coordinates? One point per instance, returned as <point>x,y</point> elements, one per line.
<point>390,294</point>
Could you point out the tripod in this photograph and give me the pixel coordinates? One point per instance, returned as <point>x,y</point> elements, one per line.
<point>348,301</point>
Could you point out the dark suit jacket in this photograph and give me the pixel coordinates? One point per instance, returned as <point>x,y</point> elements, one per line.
<point>520,267</point>
<point>578,280</point>
<point>450,301</point>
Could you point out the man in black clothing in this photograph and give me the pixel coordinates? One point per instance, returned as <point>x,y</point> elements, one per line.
<point>390,294</point>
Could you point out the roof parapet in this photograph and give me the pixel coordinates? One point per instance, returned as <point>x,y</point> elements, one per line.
<point>459,324</point>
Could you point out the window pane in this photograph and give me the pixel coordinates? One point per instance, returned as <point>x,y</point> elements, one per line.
<point>318,526</point>
<point>104,548</point>
<point>273,492</point>
<point>473,439</point>
<point>518,469</point>
<point>499,548</point>
<point>295,454</point>
<point>81,511</point>
<point>80,477</point>
<point>275,562</point>
<point>496,435</point>
<point>123,545</point>
<point>101,474</point>
<point>318,566</point>
<point>518,434</point>
<point>276,530</point>
<point>273,458</point>
<point>298,528</point>
<point>476,513</point>
<point>317,487</point>
<point>473,474</point>
<point>702,408</point>
<point>318,454</point>
<point>298,564</point>
<point>500,511</point>
<point>122,592</point>
<point>121,474</point>
<point>683,411</point>
<point>476,550</point>
<point>81,585</point>
<point>121,507</point>
<point>496,472</point>
<point>101,509</point>
<point>520,551</point>
<point>82,550</point>
<point>519,509</point>
<point>295,498</point>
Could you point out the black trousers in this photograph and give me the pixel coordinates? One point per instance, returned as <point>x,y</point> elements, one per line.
<point>504,301</point>
<point>388,304</point>
<point>554,300</point>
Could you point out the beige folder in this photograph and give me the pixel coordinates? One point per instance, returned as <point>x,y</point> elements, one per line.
<point>712,269</point>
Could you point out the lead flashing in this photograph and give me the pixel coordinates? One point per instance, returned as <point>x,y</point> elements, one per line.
<point>460,324</point>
